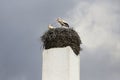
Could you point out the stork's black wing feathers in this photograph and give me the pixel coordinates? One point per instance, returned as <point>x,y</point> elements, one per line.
<point>66,24</point>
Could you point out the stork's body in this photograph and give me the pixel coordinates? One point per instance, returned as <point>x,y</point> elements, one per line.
<point>63,23</point>
<point>50,26</point>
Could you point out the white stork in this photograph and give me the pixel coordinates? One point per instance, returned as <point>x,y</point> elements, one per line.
<point>62,23</point>
<point>50,26</point>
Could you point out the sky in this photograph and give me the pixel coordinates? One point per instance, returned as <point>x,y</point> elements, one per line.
<point>23,22</point>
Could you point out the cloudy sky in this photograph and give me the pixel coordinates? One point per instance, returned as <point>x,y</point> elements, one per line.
<point>22,22</point>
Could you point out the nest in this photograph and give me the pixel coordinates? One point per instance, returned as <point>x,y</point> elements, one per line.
<point>62,37</point>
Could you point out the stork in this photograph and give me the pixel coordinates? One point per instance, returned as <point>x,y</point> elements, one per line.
<point>50,26</point>
<point>62,23</point>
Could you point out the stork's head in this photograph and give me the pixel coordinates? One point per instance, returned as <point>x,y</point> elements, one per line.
<point>59,19</point>
<point>50,26</point>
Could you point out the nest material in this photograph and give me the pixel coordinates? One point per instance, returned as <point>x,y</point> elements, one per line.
<point>62,37</point>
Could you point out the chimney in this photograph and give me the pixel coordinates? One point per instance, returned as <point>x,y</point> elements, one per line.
<point>61,54</point>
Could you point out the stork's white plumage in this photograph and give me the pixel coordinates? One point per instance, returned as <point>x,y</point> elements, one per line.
<point>50,26</point>
<point>62,22</point>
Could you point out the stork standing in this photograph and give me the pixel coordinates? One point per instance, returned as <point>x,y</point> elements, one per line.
<point>50,26</point>
<point>62,23</point>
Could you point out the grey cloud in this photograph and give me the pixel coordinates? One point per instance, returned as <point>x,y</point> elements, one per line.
<point>22,22</point>
<point>97,65</point>
<point>97,23</point>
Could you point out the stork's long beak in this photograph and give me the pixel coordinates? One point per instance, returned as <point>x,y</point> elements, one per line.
<point>57,19</point>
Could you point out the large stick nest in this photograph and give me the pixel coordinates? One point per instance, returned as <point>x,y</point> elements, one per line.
<point>62,37</point>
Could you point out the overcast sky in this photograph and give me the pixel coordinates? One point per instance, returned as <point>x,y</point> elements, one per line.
<point>22,22</point>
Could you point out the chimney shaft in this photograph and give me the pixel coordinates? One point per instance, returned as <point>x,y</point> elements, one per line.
<point>61,58</point>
